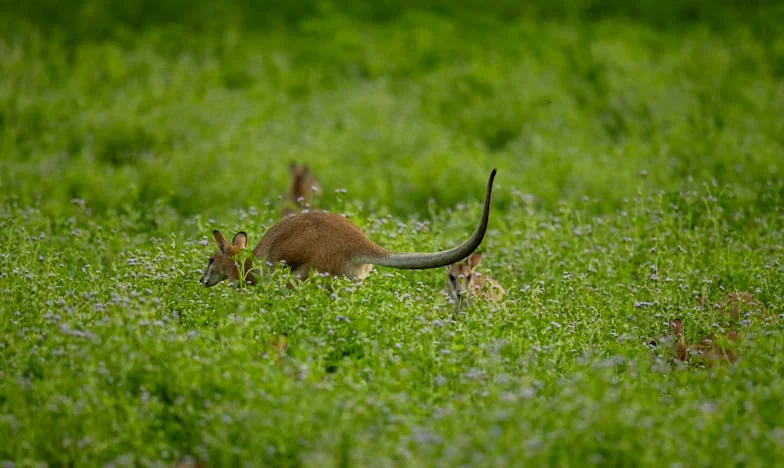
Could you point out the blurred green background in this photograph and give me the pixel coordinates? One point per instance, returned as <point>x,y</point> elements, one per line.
<point>199,105</point>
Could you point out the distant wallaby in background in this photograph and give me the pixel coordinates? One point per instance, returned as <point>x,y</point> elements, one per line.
<point>736,309</point>
<point>329,243</point>
<point>709,351</point>
<point>303,184</point>
<point>463,283</point>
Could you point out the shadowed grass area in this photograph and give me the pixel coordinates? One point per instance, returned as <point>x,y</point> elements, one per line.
<point>640,165</point>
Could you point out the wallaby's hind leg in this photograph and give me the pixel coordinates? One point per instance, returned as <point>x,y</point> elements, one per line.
<point>361,271</point>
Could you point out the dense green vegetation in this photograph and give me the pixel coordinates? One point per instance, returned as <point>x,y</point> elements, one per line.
<point>640,152</point>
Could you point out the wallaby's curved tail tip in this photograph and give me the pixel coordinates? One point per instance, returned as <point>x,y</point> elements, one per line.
<point>492,178</point>
<point>422,260</point>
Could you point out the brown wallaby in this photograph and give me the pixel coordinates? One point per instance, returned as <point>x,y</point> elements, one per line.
<point>463,283</point>
<point>710,351</point>
<point>303,184</point>
<point>330,243</point>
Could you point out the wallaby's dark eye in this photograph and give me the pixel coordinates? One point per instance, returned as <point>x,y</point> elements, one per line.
<point>451,277</point>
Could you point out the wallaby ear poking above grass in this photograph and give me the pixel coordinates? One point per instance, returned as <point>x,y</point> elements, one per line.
<point>301,189</point>
<point>464,283</point>
<point>330,243</point>
<point>681,351</point>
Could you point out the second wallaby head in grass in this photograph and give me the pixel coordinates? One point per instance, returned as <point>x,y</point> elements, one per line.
<point>464,282</point>
<point>330,243</point>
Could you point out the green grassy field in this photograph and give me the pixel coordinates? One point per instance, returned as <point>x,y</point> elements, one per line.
<point>640,156</point>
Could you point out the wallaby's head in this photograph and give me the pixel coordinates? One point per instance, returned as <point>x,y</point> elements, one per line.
<point>302,184</point>
<point>222,264</point>
<point>460,277</point>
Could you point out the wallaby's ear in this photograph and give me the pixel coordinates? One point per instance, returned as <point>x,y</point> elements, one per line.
<point>292,166</point>
<point>677,326</point>
<point>305,168</point>
<point>223,244</point>
<point>474,259</point>
<point>240,240</point>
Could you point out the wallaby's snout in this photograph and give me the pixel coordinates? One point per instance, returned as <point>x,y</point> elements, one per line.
<point>207,280</point>
<point>461,289</point>
<point>460,276</point>
<point>212,275</point>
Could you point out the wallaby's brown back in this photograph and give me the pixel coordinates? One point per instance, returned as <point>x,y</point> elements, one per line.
<point>325,242</point>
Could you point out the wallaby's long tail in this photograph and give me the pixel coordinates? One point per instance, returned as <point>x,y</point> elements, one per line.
<point>422,260</point>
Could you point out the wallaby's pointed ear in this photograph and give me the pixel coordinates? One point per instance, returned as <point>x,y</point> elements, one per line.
<point>474,259</point>
<point>240,240</point>
<point>223,244</point>
<point>305,168</point>
<point>292,166</point>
